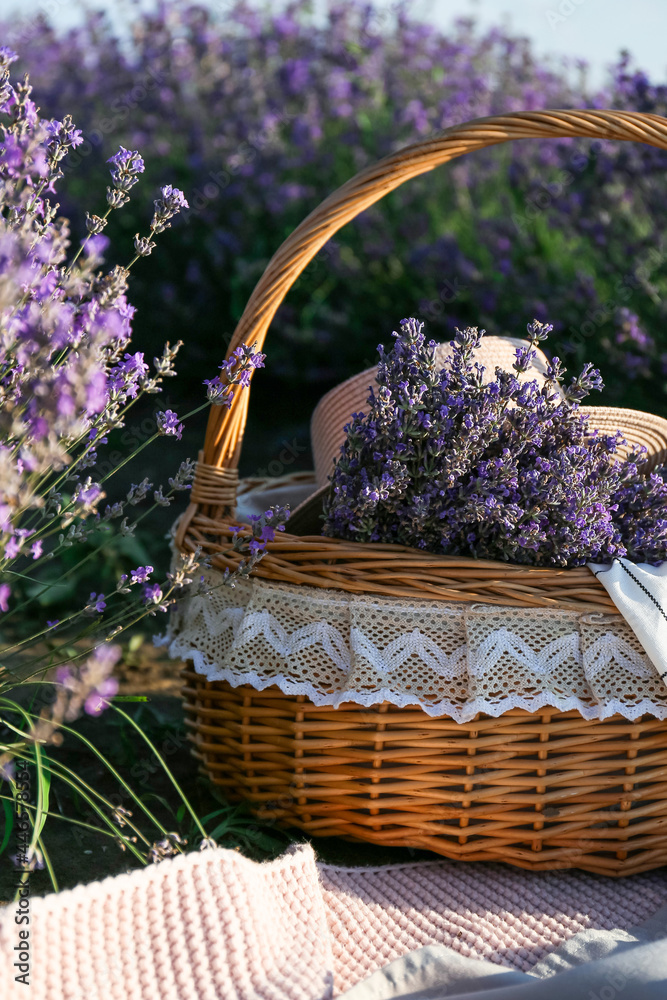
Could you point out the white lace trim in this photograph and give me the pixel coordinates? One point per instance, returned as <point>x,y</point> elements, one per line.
<point>502,643</point>
<point>449,659</point>
<point>399,651</point>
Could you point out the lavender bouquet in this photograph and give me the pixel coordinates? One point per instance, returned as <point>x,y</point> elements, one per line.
<point>507,470</point>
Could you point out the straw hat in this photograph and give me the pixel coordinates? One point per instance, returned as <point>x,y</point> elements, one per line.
<point>335,409</point>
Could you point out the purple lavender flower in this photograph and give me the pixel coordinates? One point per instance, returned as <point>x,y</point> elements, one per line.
<point>140,574</point>
<point>12,547</point>
<point>7,57</point>
<point>32,860</point>
<point>12,156</point>
<point>97,603</point>
<point>127,165</point>
<point>96,702</point>
<point>94,247</point>
<point>88,494</point>
<point>166,207</point>
<point>66,677</point>
<point>168,425</point>
<point>126,377</point>
<point>236,371</point>
<point>90,686</point>
<point>7,770</point>
<point>5,593</point>
<point>62,135</point>
<point>262,530</point>
<point>152,593</point>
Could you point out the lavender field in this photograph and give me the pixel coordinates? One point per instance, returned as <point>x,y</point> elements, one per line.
<point>257,118</point>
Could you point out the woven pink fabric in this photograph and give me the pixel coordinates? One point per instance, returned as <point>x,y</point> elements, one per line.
<point>505,915</point>
<point>203,926</point>
<point>212,925</point>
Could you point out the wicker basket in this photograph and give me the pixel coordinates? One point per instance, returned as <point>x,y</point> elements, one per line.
<point>542,790</point>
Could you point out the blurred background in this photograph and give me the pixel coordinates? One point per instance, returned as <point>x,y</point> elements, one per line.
<point>259,111</point>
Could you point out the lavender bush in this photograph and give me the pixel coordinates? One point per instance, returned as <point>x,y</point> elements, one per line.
<point>260,116</point>
<point>67,380</point>
<point>506,470</point>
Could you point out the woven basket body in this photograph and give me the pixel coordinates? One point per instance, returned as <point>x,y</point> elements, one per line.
<point>543,790</point>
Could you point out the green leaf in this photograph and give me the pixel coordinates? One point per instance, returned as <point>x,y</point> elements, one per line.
<point>9,824</point>
<point>44,789</point>
<point>220,829</point>
<point>159,798</point>
<point>267,842</point>
<point>56,592</point>
<point>49,866</point>
<point>218,812</point>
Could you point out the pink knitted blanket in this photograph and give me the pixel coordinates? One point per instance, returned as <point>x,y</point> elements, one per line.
<point>214,924</point>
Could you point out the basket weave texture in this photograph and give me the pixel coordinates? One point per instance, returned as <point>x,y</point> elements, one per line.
<point>542,790</point>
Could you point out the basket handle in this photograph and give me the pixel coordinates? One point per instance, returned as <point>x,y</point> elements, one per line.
<point>214,486</point>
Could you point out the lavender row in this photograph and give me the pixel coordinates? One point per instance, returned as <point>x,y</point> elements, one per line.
<point>258,117</point>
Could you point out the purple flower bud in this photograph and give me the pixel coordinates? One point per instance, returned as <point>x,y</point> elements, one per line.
<point>12,548</point>
<point>96,602</point>
<point>166,207</point>
<point>7,770</point>
<point>97,701</point>
<point>168,425</point>
<point>140,574</point>
<point>127,164</point>
<point>7,57</point>
<point>152,593</point>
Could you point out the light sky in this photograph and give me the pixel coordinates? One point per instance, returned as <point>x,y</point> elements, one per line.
<point>595,30</point>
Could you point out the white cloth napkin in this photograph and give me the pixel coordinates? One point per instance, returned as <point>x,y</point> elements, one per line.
<point>257,501</point>
<point>639,591</point>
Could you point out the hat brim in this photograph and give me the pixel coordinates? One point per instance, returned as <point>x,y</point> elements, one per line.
<point>637,427</point>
